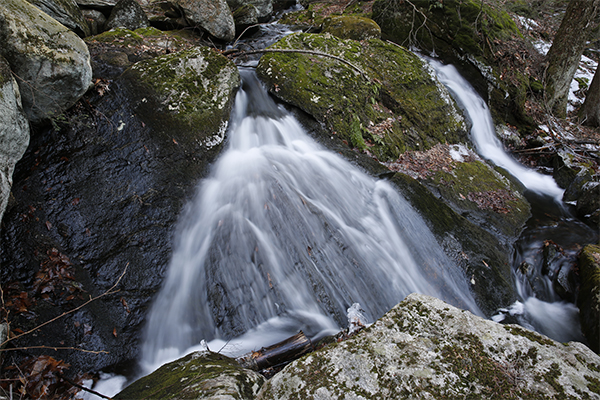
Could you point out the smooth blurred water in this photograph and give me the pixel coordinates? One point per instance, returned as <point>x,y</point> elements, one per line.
<point>541,309</point>
<point>483,133</point>
<point>286,235</point>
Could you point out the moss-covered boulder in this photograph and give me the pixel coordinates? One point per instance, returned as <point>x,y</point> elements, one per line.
<point>472,34</point>
<point>191,92</point>
<point>386,102</point>
<point>425,348</point>
<point>588,300</point>
<point>470,186</point>
<point>199,375</point>
<point>352,27</point>
<point>52,62</point>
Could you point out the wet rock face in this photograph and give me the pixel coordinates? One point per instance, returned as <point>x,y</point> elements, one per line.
<point>52,62</point>
<point>425,348</point>
<point>200,375</point>
<point>14,131</point>
<point>105,189</point>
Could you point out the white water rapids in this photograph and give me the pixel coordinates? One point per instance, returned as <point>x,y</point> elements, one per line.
<point>286,235</point>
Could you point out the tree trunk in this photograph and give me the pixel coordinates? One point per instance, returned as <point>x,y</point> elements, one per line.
<point>590,111</point>
<point>564,55</point>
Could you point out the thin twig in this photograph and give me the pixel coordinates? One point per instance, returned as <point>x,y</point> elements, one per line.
<point>56,349</point>
<point>109,291</point>
<point>242,34</point>
<point>313,52</point>
<point>70,382</point>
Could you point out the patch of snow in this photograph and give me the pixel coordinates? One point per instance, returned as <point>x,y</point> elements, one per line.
<point>527,23</point>
<point>356,318</point>
<point>458,152</point>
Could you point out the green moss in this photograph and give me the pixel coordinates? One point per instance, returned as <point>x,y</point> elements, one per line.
<point>191,376</point>
<point>398,104</point>
<point>588,300</point>
<point>124,36</point>
<point>533,336</point>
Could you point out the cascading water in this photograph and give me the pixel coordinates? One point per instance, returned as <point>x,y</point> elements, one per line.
<point>541,308</point>
<point>483,133</point>
<point>286,235</point>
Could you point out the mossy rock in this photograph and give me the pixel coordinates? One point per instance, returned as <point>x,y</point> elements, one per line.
<point>190,92</point>
<point>426,349</point>
<point>316,12</point>
<point>588,300</point>
<point>351,27</point>
<point>200,375</point>
<point>394,104</point>
<point>469,33</point>
<point>483,257</point>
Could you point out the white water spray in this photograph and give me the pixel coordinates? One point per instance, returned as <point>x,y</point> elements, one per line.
<point>286,235</point>
<point>483,133</point>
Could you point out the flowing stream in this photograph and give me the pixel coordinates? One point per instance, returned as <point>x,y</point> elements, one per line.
<point>286,235</point>
<point>540,307</point>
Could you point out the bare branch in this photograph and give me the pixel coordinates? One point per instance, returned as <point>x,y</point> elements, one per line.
<point>313,52</point>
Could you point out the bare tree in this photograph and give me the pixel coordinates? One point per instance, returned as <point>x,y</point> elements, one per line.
<point>564,55</point>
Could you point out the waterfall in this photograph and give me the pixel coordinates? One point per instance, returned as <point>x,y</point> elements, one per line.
<point>285,235</point>
<point>542,311</point>
<point>483,133</point>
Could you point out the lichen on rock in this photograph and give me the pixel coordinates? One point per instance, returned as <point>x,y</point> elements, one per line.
<point>425,348</point>
<point>193,89</point>
<point>396,105</point>
<point>588,300</point>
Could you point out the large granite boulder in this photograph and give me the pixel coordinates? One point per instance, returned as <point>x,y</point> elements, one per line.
<point>102,191</point>
<point>214,16</point>
<point>425,348</point>
<point>264,8</point>
<point>385,102</point>
<point>588,300</point>
<point>199,375</point>
<point>14,131</point>
<point>52,64</point>
<point>66,12</point>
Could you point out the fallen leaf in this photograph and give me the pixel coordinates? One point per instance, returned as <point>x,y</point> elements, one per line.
<point>115,332</point>
<point>48,225</point>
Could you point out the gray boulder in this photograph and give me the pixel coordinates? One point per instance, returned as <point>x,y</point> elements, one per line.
<point>200,375</point>
<point>66,12</point>
<point>264,8</point>
<point>51,62</point>
<point>14,131</point>
<point>425,348</point>
<point>214,16</point>
<point>127,14</point>
<point>95,20</point>
<point>588,204</point>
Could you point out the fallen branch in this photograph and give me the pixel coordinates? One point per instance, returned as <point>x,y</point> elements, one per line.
<point>55,349</point>
<point>70,382</point>
<point>278,354</point>
<point>313,52</point>
<point>109,291</point>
